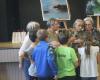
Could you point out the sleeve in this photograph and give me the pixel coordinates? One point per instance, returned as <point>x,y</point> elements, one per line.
<point>51,60</point>
<point>25,45</point>
<point>97,50</point>
<point>74,56</point>
<point>29,50</point>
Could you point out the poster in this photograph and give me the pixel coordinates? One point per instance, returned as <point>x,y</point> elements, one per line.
<point>97,8</point>
<point>93,7</point>
<point>58,9</point>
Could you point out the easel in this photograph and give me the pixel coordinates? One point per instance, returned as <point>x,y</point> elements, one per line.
<point>98,22</point>
<point>98,27</point>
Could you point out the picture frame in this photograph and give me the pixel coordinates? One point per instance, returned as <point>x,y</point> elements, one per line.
<point>57,9</point>
<point>93,7</point>
<point>97,8</point>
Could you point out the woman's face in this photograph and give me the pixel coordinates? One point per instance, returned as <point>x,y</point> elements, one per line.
<point>56,26</point>
<point>88,25</point>
<point>79,26</point>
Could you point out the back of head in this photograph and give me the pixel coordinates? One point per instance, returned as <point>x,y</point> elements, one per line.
<point>42,34</point>
<point>63,37</point>
<point>32,26</point>
<point>32,36</point>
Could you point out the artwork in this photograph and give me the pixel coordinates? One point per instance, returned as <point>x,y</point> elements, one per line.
<point>93,7</point>
<point>57,9</point>
<point>97,8</point>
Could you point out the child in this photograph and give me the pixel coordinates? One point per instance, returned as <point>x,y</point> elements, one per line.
<point>44,58</point>
<point>88,65</point>
<point>66,59</point>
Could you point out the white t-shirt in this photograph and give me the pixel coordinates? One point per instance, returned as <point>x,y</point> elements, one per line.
<point>32,70</point>
<point>88,66</point>
<point>26,43</point>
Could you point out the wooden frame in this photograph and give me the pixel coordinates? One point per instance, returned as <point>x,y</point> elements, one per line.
<point>58,9</point>
<point>93,7</point>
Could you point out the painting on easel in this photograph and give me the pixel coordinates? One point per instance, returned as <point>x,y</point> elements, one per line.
<point>93,7</point>
<point>58,9</point>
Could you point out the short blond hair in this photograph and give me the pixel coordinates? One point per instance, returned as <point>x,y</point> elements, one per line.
<point>89,19</point>
<point>42,34</point>
<point>78,20</point>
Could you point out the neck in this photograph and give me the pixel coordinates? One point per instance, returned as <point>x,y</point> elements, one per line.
<point>64,44</point>
<point>51,30</point>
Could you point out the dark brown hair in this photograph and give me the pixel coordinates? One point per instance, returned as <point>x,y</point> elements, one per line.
<point>63,36</point>
<point>88,43</point>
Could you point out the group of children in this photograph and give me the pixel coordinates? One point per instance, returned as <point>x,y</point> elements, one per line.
<point>60,54</point>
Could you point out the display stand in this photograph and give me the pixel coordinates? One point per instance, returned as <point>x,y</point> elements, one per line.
<point>98,22</point>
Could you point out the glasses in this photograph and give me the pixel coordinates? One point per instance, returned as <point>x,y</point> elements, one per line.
<point>57,24</point>
<point>88,24</point>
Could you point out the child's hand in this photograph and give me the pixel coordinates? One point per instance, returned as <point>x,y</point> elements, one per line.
<point>55,77</point>
<point>20,65</point>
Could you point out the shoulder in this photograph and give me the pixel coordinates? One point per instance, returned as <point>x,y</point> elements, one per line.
<point>26,41</point>
<point>96,48</point>
<point>70,48</point>
<point>81,50</point>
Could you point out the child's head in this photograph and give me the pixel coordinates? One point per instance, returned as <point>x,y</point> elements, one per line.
<point>42,34</point>
<point>63,37</point>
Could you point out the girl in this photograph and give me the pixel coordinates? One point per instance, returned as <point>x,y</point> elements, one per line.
<point>88,57</point>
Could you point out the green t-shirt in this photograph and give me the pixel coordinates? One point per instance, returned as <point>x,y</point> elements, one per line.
<point>65,60</point>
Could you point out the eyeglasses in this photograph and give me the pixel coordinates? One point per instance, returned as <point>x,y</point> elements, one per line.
<point>88,24</point>
<point>57,24</point>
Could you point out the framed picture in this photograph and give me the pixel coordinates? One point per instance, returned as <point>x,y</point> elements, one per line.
<point>58,9</point>
<point>93,7</point>
<point>97,8</point>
